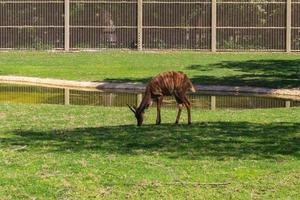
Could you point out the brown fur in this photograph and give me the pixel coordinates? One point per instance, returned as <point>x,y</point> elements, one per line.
<point>167,83</point>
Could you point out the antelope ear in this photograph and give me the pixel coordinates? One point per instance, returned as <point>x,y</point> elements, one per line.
<point>133,109</point>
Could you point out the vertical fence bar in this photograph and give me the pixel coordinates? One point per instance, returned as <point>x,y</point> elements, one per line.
<point>67,25</point>
<point>288,24</point>
<point>140,25</point>
<point>214,25</point>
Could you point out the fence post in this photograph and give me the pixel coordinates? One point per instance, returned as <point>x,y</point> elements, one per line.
<point>287,104</point>
<point>138,99</point>
<point>288,24</point>
<point>214,25</point>
<point>110,99</point>
<point>67,96</point>
<point>140,25</point>
<point>213,102</point>
<point>67,25</point>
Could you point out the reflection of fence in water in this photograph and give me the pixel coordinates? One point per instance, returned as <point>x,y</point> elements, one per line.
<point>232,102</point>
<point>30,94</point>
<point>97,98</point>
<point>248,102</point>
<point>295,103</point>
<point>11,93</point>
<point>197,100</point>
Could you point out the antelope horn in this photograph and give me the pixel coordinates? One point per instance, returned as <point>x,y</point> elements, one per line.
<point>131,108</point>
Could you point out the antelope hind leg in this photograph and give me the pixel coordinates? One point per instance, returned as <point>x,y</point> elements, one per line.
<point>188,107</point>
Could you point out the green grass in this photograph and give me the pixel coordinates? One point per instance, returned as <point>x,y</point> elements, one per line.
<point>274,70</point>
<point>81,152</point>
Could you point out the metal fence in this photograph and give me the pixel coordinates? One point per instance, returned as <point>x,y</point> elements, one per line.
<point>211,25</point>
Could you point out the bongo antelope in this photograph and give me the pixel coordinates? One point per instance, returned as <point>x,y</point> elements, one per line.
<point>166,83</point>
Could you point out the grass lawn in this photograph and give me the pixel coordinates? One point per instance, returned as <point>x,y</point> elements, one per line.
<point>274,70</point>
<point>81,152</point>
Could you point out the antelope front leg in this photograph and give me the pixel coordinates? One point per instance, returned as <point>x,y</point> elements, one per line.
<point>189,115</point>
<point>158,117</point>
<point>179,113</point>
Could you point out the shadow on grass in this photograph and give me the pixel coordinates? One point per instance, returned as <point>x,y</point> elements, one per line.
<point>213,139</point>
<point>261,73</point>
<point>258,73</point>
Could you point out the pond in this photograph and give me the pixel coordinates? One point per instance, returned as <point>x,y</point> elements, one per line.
<point>15,93</point>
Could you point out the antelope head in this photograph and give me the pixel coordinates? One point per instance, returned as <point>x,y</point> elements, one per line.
<point>138,115</point>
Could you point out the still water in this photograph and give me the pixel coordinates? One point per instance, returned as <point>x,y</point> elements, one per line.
<point>13,93</point>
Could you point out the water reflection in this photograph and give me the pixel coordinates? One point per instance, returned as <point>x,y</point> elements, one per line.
<point>12,93</point>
